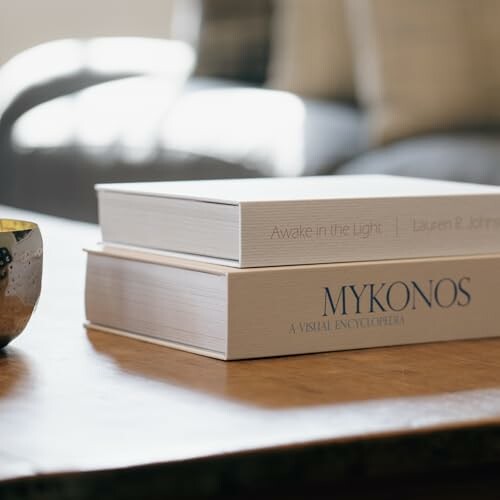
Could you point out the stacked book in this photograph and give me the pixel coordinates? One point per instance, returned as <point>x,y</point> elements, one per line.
<point>251,268</point>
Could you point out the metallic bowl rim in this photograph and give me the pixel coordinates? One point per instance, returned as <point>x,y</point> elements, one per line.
<point>15,225</point>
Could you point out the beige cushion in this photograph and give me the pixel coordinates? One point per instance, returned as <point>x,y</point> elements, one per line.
<point>234,39</point>
<point>427,65</point>
<point>310,53</point>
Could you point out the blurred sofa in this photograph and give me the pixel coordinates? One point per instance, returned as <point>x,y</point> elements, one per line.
<point>254,97</point>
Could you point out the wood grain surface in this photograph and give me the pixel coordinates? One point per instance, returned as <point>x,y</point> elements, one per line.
<point>73,401</point>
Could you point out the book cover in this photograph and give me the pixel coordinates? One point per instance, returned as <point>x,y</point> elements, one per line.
<point>231,313</point>
<point>309,220</point>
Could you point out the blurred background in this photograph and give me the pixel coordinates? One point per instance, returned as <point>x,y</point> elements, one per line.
<point>115,90</point>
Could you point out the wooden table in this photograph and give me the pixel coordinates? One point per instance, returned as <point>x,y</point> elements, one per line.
<point>91,415</point>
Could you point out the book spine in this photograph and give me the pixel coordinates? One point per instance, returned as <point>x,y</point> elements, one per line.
<point>310,309</point>
<point>300,232</point>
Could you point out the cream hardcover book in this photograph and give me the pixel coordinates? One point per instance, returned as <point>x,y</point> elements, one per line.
<point>231,313</point>
<point>307,220</point>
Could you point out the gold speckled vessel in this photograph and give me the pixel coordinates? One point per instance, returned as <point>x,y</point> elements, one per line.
<point>21,263</point>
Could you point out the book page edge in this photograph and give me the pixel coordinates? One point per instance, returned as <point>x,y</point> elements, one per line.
<point>152,340</point>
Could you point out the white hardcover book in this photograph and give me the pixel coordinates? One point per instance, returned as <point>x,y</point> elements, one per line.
<point>308,220</point>
<point>232,313</point>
